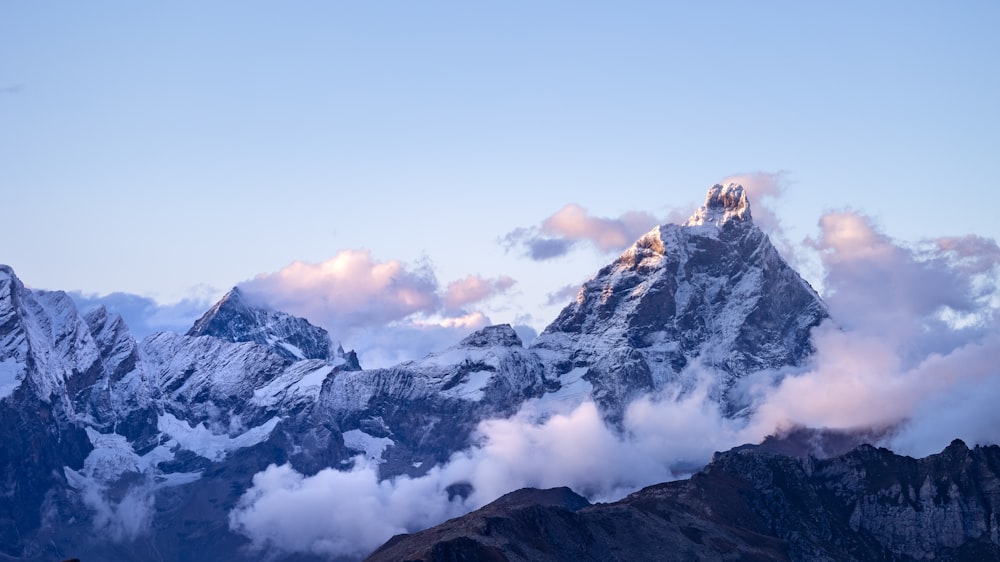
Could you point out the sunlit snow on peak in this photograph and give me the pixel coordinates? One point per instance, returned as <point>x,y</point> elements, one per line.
<point>723,203</point>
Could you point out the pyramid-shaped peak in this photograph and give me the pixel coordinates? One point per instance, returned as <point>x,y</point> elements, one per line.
<point>723,203</point>
<point>237,318</point>
<point>233,297</point>
<point>231,303</point>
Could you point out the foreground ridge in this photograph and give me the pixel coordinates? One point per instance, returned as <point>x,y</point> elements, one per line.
<point>868,504</point>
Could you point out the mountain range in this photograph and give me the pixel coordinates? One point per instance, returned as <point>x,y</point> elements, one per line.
<point>141,450</point>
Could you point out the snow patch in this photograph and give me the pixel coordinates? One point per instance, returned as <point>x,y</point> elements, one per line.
<point>201,441</point>
<point>472,387</point>
<point>573,392</point>
<point>373,447</point>
<point>11,375</point>
<point>112,456</point>
<point>293,383</point>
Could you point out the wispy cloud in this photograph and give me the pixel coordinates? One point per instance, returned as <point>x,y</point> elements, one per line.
<point>572,225</point>
<point>563,295</point>
<point>474,289</point>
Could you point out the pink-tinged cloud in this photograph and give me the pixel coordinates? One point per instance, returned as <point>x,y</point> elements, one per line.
<point>350,290</point>
<point>882,287</point>
<point>914,329</point>
<point>972,254</point>
<point>760,185</point>
<point>572,224</point>
<point>387,311</point>
<point>474,289</point>
<point>564,295</point>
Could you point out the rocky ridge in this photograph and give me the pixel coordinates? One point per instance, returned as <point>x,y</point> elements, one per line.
<point>868,504</point>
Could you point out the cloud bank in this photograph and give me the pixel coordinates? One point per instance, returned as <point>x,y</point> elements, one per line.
<point>914,351</point>
<point>916,329</point>
<point>289,512</point>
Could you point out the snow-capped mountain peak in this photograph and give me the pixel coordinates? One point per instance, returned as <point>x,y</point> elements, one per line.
<point>712,293</point>
<point>237,319</point>
<point>723,203</point>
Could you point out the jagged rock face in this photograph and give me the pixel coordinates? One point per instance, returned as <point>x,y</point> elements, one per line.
<point>45,354</point>
<point>428,408</point>
<point>868,504</point>
<point>875,502</point>
<point>713,292</point>
<point>44,343</point>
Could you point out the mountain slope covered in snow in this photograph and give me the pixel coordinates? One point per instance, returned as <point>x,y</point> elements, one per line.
<point>711,297</point>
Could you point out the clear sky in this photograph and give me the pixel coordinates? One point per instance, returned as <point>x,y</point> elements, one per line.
<point>175,149</point>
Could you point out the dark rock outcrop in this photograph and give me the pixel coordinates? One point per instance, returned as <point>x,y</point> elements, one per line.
<point>868,504</point>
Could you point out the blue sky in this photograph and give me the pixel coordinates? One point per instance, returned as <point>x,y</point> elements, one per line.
<point>173,150</point>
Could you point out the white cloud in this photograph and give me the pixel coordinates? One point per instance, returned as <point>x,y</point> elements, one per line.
<point>387,311</point>
<point>882,288</point>
<point>564,295</point>
<point>120,520</point>
<point>351,513</point>
<point>346,513</point>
